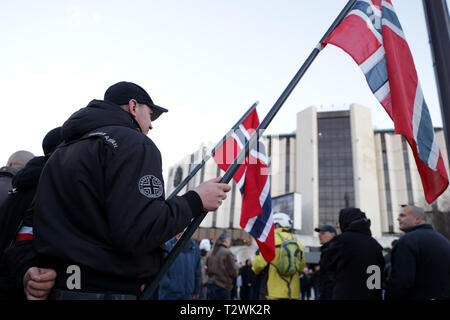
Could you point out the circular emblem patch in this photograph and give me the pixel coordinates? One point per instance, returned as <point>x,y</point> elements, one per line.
<point>150,186</point>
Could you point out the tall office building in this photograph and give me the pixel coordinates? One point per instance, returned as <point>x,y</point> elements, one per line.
<point>333,160</point>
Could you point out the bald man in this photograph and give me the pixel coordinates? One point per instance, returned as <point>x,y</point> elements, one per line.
<point>16,162</point>
<point>420,260</point>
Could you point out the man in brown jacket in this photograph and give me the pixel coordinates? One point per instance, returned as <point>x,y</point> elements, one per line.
<point>222,269</point>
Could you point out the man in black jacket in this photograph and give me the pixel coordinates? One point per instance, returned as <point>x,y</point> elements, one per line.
<point>326,277</point>
<point>17,226</point>
<point>420,260</point>
<point>101,218</point>
<point>249,280</point>
<point>352,255</point>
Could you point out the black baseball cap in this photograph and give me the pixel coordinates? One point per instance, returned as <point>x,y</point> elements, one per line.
<point>122,92</point>
<point>326,227</point>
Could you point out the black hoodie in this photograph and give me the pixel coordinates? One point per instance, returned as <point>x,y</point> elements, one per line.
<point>12,212</point>
<point>350,254</point>
<point>100,203</point>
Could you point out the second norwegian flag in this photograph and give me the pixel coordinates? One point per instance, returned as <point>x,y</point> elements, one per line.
<point>253,181</point>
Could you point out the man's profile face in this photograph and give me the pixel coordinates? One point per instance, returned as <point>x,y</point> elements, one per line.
<point>142,113</point>
<point>407,219</point>
<point>144,117</point>
<point>326,236</point>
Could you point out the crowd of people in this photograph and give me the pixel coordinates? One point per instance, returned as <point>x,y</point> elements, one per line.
<point>89,221</point>
<point>352,265</point>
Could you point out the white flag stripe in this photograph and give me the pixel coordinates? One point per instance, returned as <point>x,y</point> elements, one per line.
<point>387,5</point>
<point>25,229</point>
<point>376,11</point>
<point>417,112</point>
<point>369,24</point>
<point>383,92</point>
<point>238,141</point>
<point>250,224</point>
<point>267,228</point>
<point>264,192</point>
<point>393,27</point>
<point>240,184</point>
<point>372,61</point>
<point>241,145</point>
<point>434,155</point>
<point>259,156</point>
<point>245,132</point>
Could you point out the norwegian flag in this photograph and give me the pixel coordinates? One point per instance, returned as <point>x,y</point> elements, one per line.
<point>253,180</point>
<point>371,33</point>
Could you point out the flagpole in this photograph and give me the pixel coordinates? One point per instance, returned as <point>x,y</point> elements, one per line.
<point>211,153</point>
<point>150,289</point>
<point>437,19</point>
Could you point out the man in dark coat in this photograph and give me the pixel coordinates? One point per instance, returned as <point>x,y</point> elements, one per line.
<point>249,279</point>
<point>100,212</point>
<point>12,213</point>
<point>351,254</point>
<point>420,260</point>
<point>16,221</point>
<point>326,277</point>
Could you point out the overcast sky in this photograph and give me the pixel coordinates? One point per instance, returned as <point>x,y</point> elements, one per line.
<point>206,61</point>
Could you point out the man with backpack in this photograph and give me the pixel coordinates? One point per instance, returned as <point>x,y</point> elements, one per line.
<point>283,271</point>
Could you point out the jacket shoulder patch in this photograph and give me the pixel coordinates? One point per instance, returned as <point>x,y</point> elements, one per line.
<point>150,186</point>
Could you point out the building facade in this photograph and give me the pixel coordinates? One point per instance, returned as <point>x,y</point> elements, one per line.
<point>333,160</point>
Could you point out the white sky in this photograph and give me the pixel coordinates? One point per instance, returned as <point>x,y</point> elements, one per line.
<point>206,61</point>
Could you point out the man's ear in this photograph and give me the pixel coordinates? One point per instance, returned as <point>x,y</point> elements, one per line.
<point>132,105</point>
<point>419,220</point>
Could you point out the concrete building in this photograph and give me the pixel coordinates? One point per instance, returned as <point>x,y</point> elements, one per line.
<point>333,160</point>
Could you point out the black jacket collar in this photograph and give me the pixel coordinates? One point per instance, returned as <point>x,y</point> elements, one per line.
<point>97,114</point>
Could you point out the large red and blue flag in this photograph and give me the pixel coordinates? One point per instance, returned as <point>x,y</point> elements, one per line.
<point>372,35</point>
<point>253,180</point>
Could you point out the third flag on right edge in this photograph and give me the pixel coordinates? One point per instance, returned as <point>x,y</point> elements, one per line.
<point>372,35</point>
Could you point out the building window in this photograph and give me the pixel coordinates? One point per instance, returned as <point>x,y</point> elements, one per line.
<point>387,184</point>
<point>202,170</point>
<point>336,189</point>
<point>288,164</point>
<point>407,170</point>
<point>191,167</point>
<point>178,177</point>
